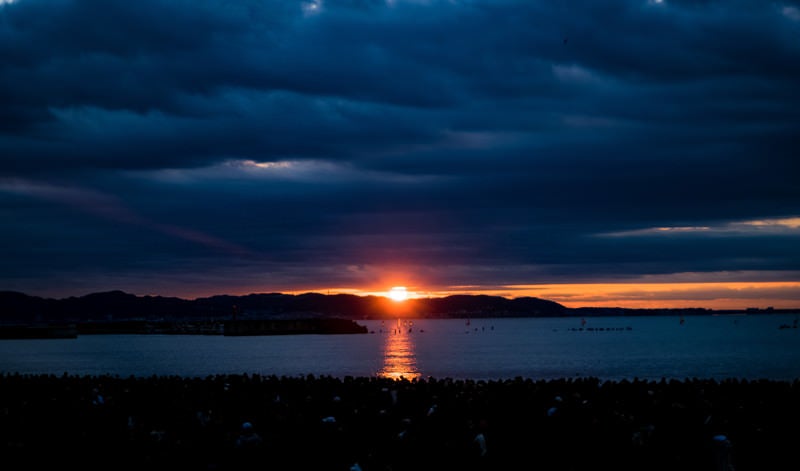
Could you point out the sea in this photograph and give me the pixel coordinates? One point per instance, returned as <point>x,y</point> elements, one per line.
<point>752,347</point>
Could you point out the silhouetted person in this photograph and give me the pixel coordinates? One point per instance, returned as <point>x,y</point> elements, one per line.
<point>248,445</point>
<point>723,453</point>
<point>478,451</point>
<point>248,437</point>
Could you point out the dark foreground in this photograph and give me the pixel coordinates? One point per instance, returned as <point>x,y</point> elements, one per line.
<point>326,423</point>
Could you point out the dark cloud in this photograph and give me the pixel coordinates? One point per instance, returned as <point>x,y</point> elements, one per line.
<point>214,145</point>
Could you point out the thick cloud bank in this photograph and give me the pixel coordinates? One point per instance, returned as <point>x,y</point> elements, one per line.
<point>206,146</point>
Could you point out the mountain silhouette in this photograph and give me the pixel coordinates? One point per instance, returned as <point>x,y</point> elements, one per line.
<point>110,306</point>
<point>18,307</point>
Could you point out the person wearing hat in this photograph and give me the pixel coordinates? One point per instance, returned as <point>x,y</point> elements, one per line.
<point>248,437</point>
<point>248,447</point>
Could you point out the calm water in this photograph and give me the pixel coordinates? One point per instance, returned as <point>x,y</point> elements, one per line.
<point>720,347</point>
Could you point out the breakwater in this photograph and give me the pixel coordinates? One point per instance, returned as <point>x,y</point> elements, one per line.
<point>292,326</point>
<point>229,327</point>
<point>69,331</point>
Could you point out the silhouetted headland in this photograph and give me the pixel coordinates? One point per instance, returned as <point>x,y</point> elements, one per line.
<point>120,312</point>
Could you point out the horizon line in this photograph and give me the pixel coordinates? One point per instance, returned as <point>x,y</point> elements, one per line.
<point>413,296</point>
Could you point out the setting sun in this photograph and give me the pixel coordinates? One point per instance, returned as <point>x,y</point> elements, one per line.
<point>398,293</point>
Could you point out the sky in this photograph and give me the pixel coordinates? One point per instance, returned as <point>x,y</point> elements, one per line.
<point>633,153</point>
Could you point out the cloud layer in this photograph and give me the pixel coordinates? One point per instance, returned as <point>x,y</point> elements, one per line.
<point>177,147</point>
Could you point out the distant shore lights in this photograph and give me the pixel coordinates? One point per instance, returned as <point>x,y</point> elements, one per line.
<point>398,293</point>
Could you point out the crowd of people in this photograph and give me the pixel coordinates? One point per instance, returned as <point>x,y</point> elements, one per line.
<point>370,423</point>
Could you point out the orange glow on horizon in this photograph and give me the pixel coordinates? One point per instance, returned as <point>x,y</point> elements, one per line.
<point>711,295</point>
<point>667,295</point>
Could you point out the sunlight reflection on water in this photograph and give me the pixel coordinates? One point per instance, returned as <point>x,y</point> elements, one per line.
<point>399,354</point>
<point>655,347</point>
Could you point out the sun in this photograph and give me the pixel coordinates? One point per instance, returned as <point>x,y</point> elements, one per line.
<point>398,293</point>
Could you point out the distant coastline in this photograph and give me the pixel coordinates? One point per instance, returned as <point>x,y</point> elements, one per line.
<point>112,309</point>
